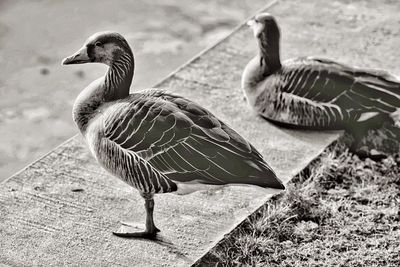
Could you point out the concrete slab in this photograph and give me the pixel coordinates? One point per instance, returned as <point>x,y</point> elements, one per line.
<point>61,209</point>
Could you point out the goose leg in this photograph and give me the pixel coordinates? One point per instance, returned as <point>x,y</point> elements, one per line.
<point>150,231</point>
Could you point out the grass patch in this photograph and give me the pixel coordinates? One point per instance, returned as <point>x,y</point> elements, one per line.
<point>340,211</point>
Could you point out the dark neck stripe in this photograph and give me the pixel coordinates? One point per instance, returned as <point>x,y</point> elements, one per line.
<point>116,86</point>
<point>269,49</point>
<point>119,77</point>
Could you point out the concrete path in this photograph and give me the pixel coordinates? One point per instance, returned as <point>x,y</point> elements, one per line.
<point>61,209</point>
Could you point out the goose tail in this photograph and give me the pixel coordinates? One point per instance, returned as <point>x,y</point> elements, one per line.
<point>275,183</point>
<point>270,180</point>
<point>381,86</point>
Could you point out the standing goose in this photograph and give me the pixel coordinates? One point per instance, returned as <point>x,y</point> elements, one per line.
<point>316,93</point>
<point>157,142</point>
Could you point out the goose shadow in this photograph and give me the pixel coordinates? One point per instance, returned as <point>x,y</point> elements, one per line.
<point>165,242</point>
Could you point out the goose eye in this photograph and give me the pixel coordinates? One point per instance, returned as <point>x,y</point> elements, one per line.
<point>97,44</point>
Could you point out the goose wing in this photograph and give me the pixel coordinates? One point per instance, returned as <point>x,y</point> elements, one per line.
<point>184,141</point>
<point>350,88</point>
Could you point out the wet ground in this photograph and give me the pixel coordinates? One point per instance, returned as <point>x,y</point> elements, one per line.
<point>37,93</point>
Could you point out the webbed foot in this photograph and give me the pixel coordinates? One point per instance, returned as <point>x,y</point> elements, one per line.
<point>132,230</point>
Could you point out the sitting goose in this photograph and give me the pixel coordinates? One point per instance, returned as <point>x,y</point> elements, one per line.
<point>316,93</point>
<point>155,141</point>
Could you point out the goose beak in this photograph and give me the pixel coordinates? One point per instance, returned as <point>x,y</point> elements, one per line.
<point>80,57</point>
<point>256,26</point>
<point>251,23</point>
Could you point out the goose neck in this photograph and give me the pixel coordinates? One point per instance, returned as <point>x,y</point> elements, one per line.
<point>119,77</point>
<point>269,51</point>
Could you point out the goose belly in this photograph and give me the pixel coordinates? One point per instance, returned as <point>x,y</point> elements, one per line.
<point>104,155</point>
<point>93,137</point>
<point>107,156</point>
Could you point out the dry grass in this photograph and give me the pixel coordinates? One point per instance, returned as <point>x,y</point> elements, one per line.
<point>340,211</point>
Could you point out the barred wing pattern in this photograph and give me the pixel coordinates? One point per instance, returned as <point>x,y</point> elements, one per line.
<point>133,169</point>
<point>180,142</point>
<point>325,93</point>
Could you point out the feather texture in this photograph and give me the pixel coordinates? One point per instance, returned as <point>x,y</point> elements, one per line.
<point>154,139</point>
<point>312,92</point>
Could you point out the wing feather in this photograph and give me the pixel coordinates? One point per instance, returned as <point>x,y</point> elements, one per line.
<point>184,142</point>
<point>352,89</point>
<point>133,169</point>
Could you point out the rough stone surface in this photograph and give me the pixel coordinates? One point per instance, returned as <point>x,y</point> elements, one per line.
<point>61,209</point>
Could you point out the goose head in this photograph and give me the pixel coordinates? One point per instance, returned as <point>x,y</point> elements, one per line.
<point>264,23</point>
<point>266,31</point>
<point>102,47</point>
